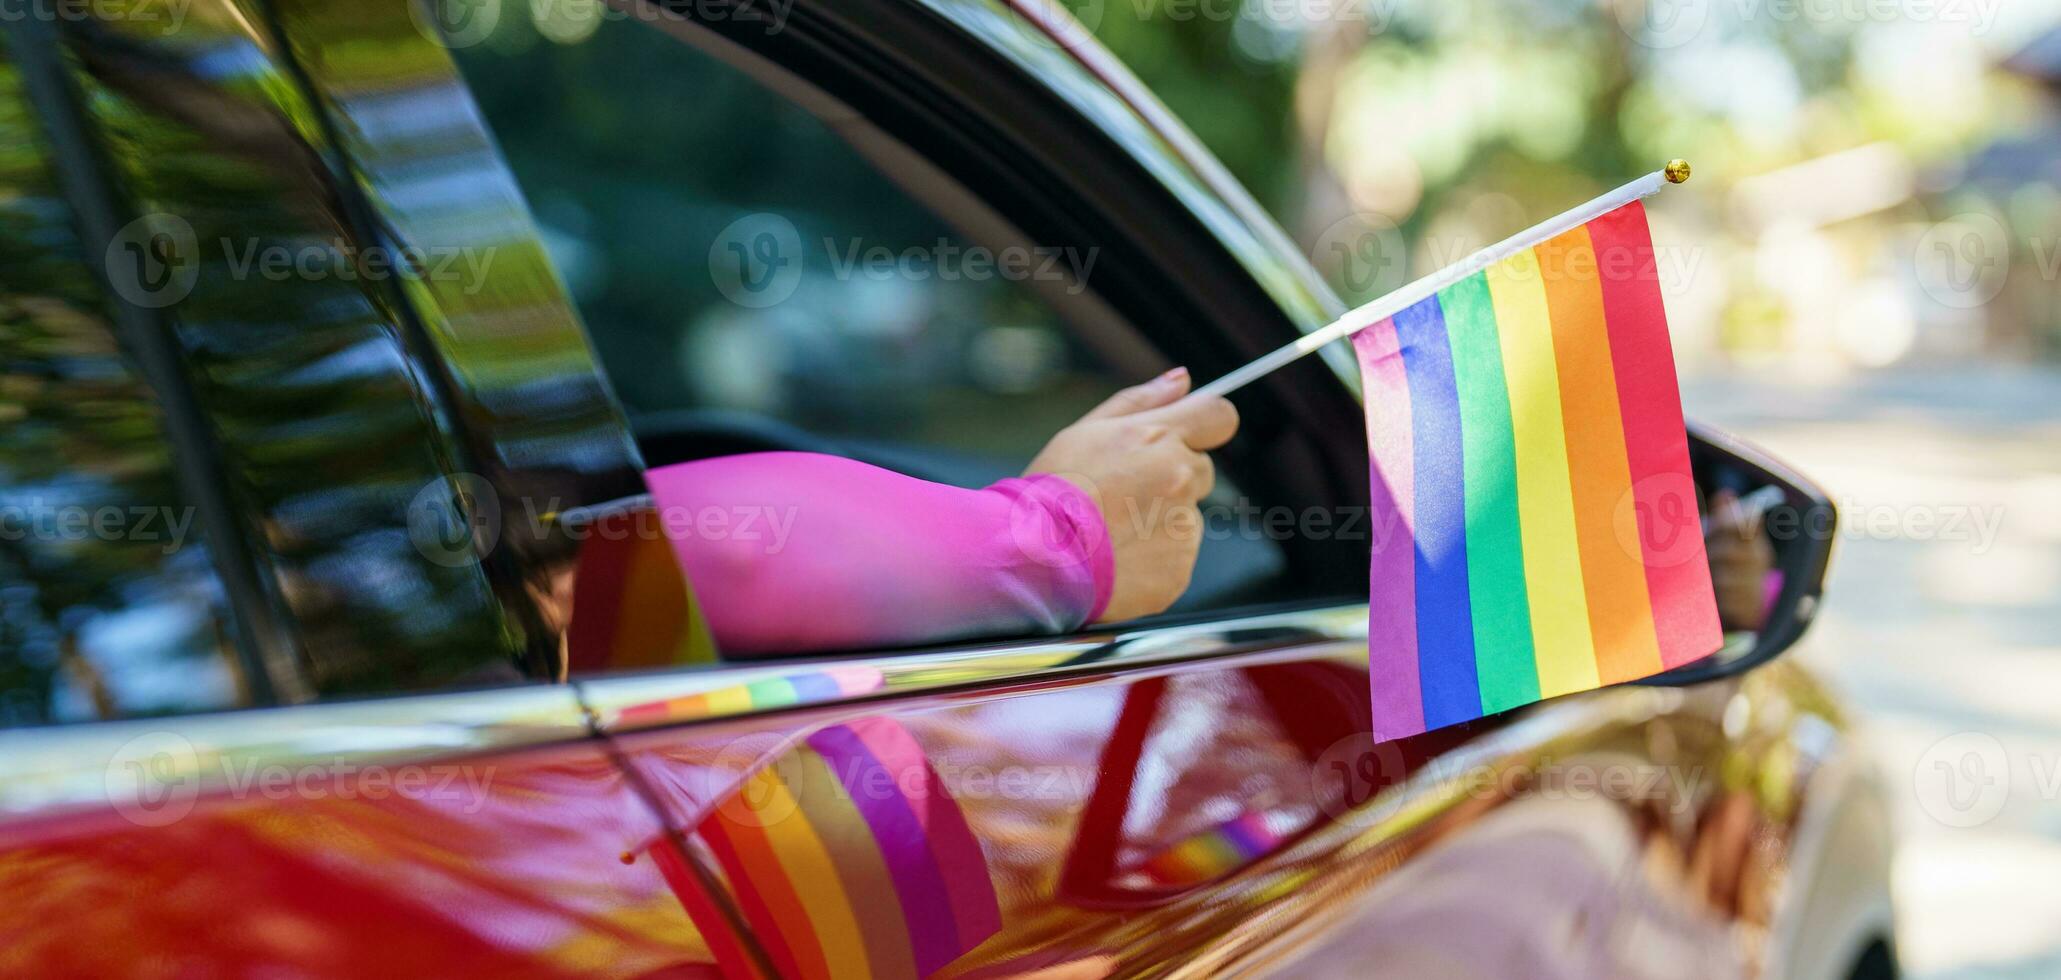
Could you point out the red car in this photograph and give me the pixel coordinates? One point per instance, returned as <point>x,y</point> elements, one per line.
<point>336,339</point>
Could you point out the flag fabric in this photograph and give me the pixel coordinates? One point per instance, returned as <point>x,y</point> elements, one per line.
<point>849,858</point>
<point>1536,528</point>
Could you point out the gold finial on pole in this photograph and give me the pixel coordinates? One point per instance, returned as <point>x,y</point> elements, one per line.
<point>1677,171</point>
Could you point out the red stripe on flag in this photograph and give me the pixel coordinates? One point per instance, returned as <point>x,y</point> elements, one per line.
<point>1662,508</point>
<point>762,888</point>
<point>724,944</point>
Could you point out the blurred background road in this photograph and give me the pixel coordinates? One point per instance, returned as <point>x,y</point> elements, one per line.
<point>1946,640</point>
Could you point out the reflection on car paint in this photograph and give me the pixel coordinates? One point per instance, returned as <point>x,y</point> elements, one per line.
<point>1079,793</point>
<point>504,866</point>
<point>631,606</point>
<point>849,857</point>
<point>1210,854</point>
<point>827,683</point>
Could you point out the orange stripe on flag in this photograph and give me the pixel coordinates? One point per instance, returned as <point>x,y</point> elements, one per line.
<point>740,820</point>
<point>1620,614</point>
<point>1661,519</point>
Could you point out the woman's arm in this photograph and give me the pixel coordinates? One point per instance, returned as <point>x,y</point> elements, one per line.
<point>792,552</point>
<point>797,552</point>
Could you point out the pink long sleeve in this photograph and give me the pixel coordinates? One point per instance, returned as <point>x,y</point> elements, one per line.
<point>795,552</point>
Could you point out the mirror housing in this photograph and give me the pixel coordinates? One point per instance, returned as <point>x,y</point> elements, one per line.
<point>1754,504</point>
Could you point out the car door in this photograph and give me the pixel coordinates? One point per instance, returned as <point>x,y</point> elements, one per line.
<point>268,709</point>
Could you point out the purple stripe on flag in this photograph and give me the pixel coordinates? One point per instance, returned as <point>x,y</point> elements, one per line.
<point>958,855</point>
<point>904,844</point>
<point>1392,572</point>
<point>1445,618</point>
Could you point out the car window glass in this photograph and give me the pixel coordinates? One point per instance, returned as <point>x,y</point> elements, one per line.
<point>730,254</point>
<point>320,413</point>
<point>109,605</point>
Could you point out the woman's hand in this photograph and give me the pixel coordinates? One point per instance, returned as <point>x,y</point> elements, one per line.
<point>1741,559</point>
<point>1140,456</point>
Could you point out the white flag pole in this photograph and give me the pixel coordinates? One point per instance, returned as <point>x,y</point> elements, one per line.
<point>1416,292</point>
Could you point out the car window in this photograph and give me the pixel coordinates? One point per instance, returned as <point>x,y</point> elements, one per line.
<point>731,255</point>
<point>109,605</point>
<point>362,543</point>
<point>750,281</point>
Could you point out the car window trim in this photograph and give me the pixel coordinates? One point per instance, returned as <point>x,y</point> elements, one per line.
<point>140,765</point>
<point>631,702</point>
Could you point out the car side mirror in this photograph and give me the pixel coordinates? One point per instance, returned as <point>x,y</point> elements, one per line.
<point>1768,532</point>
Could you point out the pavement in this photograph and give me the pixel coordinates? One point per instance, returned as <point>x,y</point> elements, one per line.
<point>1942,629</point>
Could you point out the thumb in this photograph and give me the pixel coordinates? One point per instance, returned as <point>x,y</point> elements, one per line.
<point>1163,390</point>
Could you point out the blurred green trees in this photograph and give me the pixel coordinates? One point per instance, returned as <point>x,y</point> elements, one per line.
<point>1435,127</point>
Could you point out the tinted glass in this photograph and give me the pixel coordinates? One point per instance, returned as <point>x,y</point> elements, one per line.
<point>109,605</point>
<point>368,366</point>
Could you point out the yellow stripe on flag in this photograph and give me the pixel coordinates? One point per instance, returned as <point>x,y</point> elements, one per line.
<point>1545,496</point>
<point>808,865</point>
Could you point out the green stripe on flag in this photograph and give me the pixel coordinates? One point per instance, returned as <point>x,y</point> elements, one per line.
<point>1503,656</point>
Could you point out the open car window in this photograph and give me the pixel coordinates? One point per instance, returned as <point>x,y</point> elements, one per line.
<point>747,278</point>
<point>752,282</point>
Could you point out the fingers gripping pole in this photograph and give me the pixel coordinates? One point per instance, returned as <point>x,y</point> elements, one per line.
<point>1416,292</point>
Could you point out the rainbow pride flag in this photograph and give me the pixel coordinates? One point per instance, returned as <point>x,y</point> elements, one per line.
<point>1213,853</point>
<point>1536,528</point>
<point>849,859</point>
